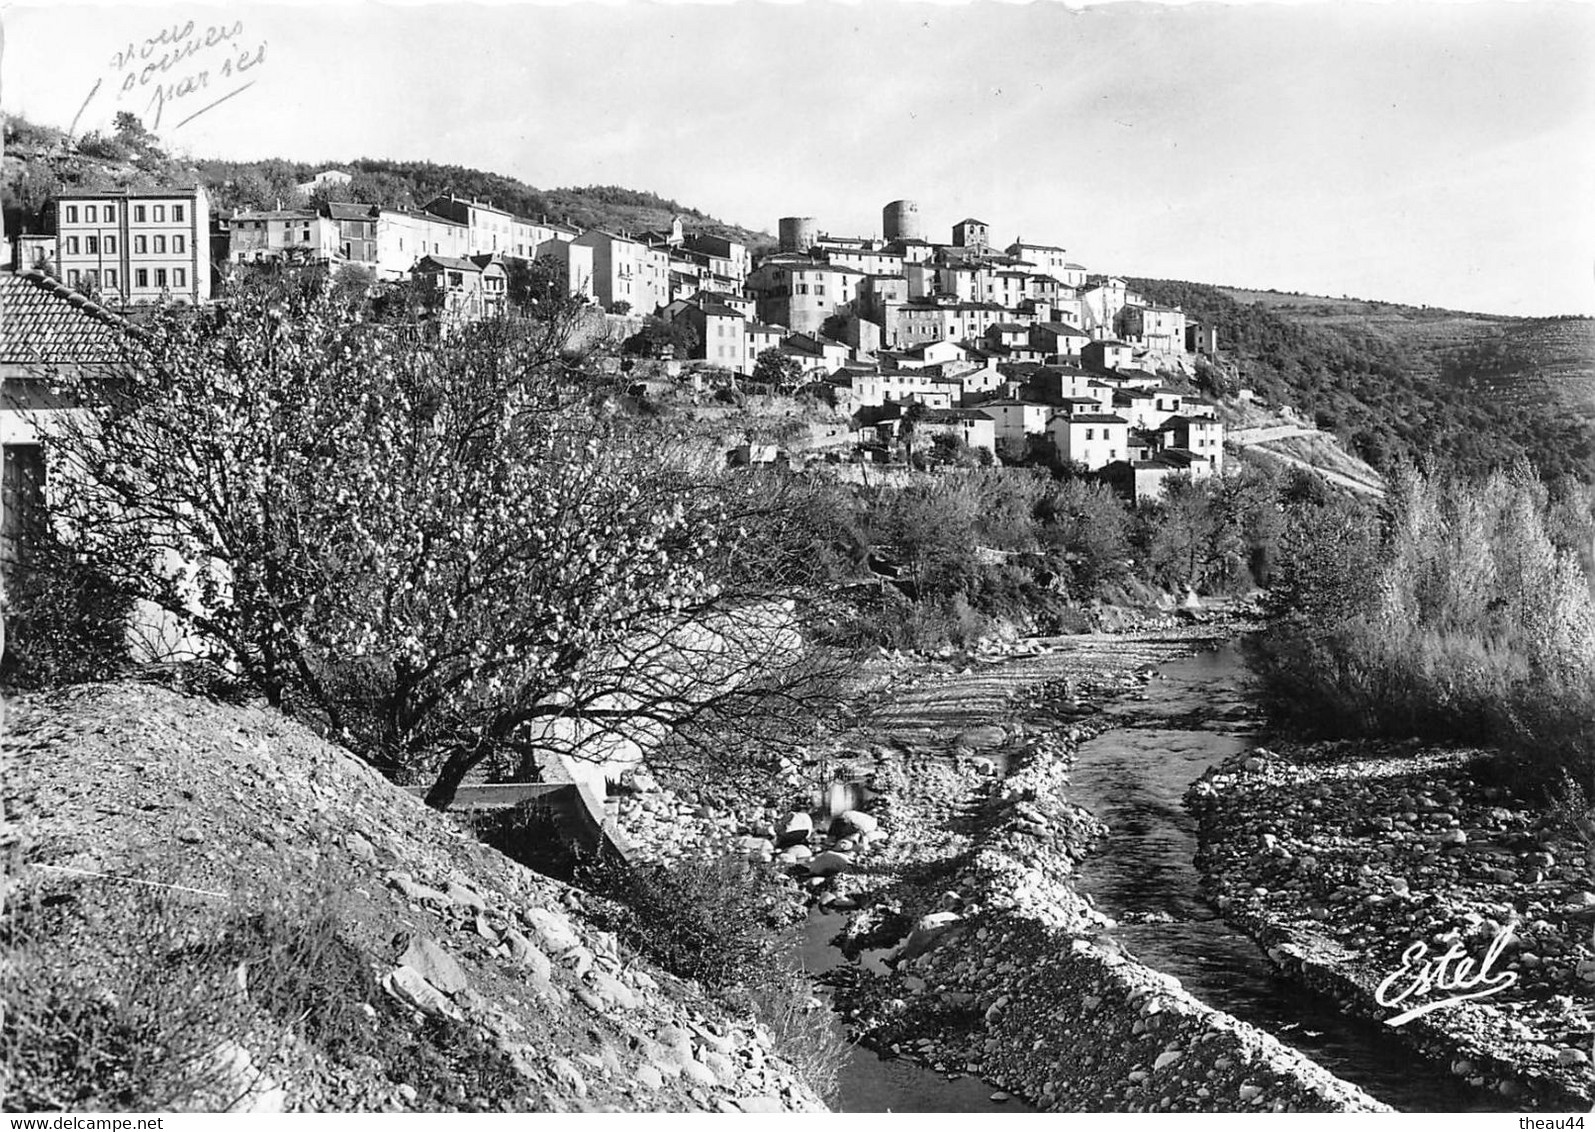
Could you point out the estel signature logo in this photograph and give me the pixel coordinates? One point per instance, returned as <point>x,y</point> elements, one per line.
<point>1420,976</point>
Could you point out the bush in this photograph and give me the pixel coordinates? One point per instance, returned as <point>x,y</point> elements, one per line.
<point>66,623</point>
<point>1463,623</point>
<point>721,922</point>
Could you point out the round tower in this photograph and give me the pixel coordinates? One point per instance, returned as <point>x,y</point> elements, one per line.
<point>900,221</point>
<point>798,233</point>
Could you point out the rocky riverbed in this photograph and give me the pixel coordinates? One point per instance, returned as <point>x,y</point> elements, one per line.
<point>985,961</point>
<point>1339,857</point>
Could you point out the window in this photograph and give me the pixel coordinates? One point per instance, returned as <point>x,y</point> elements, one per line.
<point>93,279</point>
<point>160,245</point>
<point>110,217</point>
<point>177,213</point>
<point>110,277</point>
<point>160,276</point>
<point>141,278</point>
<point>177,243</point>
<point>138,214</point>
<point>179,277</point>
<point>160,213</point>
<point>71,214</point>
<point>1090,434</point>
<point>110,245</point>
<point>71,245</point>
<point>91,214</point>
<point>141,245</point>
<point>91,245</point>
<point>72,277</point>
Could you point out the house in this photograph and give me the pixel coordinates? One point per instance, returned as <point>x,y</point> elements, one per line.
<point>327,178</point>
<point>627,271</point>
<point>1149,478</point>
<point>1107,354</point>
<point>46,329</point>
<point>1015,422</point>
<point>357,231</point>
<point>404,235</point>
<point>728,257</point>
<point>1093,440</point>
<point>1008,334</point>
<point>1202,436</point>
<point>493,230</point>
<point>1044,259</point>
<point>1135,405</point>
<point>923,355</point>
<point>135,247</point>
<point>35,251</point>
<point>1201,338</point>
<point>281,235</point>
<point>1058,339</point>
<point>1100,303</point>
<point>972,426</point>
<point>464,288</point>
<point>1158,328</point>
<point>573,263</point>
<point>721,333</point>
<point>800,292</point>
<point>757,338</point>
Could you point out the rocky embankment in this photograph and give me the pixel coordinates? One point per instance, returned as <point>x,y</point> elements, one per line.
<point>961,872</point>
<point>479,984</point>
<point>1338,857</point>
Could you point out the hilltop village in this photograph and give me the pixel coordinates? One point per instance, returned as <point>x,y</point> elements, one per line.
<point>1012,352</point>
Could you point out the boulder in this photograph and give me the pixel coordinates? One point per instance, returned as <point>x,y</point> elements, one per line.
<point>795,830</point>
<point>931,927</point>
<point>432,963</point>
<point>408,986</point>
<point>853,821</point>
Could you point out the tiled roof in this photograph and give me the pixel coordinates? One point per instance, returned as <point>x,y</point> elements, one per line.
<point>448,262</point>
<point>349,210</point>
<point>47,323</point>
<point>1098,418</point>
<point>1061,328</point>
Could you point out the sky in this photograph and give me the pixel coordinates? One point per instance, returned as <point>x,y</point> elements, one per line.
<point>1414,150</point>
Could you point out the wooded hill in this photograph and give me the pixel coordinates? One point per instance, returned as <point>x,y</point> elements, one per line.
<point>41,161</point>
<point>1399,382</point>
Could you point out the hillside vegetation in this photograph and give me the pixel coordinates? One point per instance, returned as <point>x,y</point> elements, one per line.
<point>41,161</point>
<point>1400,383</point>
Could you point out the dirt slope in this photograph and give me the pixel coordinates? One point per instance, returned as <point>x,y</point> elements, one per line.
<point>471,983</point>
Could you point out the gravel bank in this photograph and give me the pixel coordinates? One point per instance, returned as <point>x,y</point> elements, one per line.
<point>993,965</point>
<point>1337,857</point>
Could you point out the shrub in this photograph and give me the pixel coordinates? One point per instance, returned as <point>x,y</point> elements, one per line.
<point>720,922</point>
<point>66,622</point>
<point>1464,622</point>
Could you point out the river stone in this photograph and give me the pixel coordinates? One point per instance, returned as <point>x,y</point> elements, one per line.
<point>464,897</point>
<point>433,964</point>
<point>853,821</point>
<point>419,893</point>
<point>763,1103</point>
<point>795,829</point>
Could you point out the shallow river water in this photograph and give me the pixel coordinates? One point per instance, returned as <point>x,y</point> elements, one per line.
<point>1194,714</point>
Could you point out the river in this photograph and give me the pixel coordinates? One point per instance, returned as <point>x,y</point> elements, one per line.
<point>1194,713</point>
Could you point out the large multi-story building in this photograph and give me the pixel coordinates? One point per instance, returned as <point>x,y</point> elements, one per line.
<point>136,247</point>
<point>495,231</point>
<point>627,271</point>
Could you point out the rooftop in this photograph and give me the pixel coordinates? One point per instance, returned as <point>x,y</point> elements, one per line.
<point>47,323</point>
